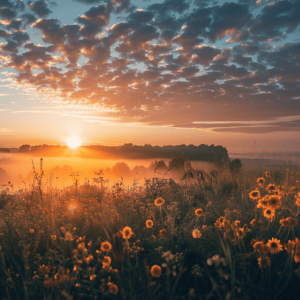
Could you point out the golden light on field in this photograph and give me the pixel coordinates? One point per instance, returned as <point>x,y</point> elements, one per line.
<point>73,141</point>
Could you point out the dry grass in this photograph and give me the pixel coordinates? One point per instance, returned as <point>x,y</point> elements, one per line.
<point>74,243</point>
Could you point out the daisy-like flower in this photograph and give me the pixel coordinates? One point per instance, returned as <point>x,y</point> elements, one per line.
<point>127,233</point>
<point>31,230</point>
<point>240,233</point>
<point>274,202</point>
<point>162,232</point>
<point>290,247</point>
<point>149,223</point>
<point>196,234</point>
<point>155,271</point>
<point>255,222</point>
<point>222,223</point>
<point>255,195</point>
<point>271,187</point>
<point>159,201</point>
<point>274,245</point>
<point>297,200</point>
<point>106,261</point>
<point>261,247</point>
<point>264,262</point>
<point>106,246</point>
<point>260,181</point>
<point>267,174</point>
<point>199,212</point>
<point>113,289</point>
<point>269,213</point>
<point>263,202</point>
<point>288,222</point>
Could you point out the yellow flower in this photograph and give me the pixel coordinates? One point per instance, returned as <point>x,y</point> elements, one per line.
<point>288,222</point>
<point>274,245</point>
<point>274,202</point>
<point>271,187</point>
<point>113,289</point>
<point>31,230</point>
<point>106,261</point>
<point>53,237</point>
<point>260,181</point>
<point>261,247</point>
<point>196,234</point>
<point>240,233</point>
<point>127,233</point>
<point>264,262</point>
<point>155,271</point>
<point>199,212</point>
<point>290,247</point>
<point>106,246</point>
<point>149,223</point>
<point>162,232</point>
<point>269,213</point>
<point>267,174</point>
<point>159,201</point>
<point>255,222</point>
<point>254,195</point>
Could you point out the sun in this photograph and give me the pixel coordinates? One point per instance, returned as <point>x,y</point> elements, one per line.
<point>73,141</point>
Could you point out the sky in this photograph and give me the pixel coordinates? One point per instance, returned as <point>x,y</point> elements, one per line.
<point>151,72</point>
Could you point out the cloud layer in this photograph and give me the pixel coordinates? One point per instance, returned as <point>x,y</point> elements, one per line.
<point>223,66</point>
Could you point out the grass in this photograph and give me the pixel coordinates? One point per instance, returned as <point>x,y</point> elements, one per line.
<point>71,243</point>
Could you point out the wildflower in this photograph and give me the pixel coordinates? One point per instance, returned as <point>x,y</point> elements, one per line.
<point>106,246</point>
<point>274,245</point>
<point>127,233</point>
<point>199,212</point>
<point>106,261</point>
<point>159,201</point>
<point>240,233</point>
<point>113,289</point>
<point>263,202</point>
<point>297,200</point>
<point>261,247</point>
<point>267,174</point>
<point>222,223</point>
<point>269,213</point>
<point>274,202</point>
<point>290,247</point>
<point>31,230</point>
<point>264,262</point>
<point>288,222</point>
<point>255,195</point>
<point>53,237</point>
<point>260,181</point>
<point>149,223</point>
<point>196,234</point>
<point>271,187</point>
<point>255,222</point>
<point>155,271</point>
<point>162,232</point>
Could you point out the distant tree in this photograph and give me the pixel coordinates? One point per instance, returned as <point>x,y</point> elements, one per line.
<point>121,169</point>
<point>158,165</point>
<point>235,165</point>
<point>24,148</point>
<point>177,163</point>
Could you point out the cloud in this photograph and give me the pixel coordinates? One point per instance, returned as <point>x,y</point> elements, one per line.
<point>170,64</point>
<point>40,8</point>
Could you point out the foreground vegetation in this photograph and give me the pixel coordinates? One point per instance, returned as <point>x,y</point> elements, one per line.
<point>229,234</point>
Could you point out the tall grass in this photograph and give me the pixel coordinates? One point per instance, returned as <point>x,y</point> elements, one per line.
<point>70,243</point>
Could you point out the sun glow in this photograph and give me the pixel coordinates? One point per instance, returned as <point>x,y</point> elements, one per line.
<point>73,141</point>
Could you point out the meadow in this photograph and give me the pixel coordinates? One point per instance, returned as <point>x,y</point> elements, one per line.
<point>226,234</point>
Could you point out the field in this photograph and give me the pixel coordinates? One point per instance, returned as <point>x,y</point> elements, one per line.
<point>228,234</point>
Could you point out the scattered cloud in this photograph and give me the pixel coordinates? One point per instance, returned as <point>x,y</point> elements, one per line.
<point>233,62</point>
